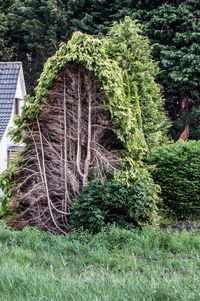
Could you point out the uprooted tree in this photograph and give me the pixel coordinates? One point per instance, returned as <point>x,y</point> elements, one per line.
<point>84,118</point>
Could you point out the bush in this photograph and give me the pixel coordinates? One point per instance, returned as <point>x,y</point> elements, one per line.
<point>6,184</point>
<point>101,204</point>
<point>178,173</point>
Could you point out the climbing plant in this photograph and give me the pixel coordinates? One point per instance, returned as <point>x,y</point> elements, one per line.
<point>131,51</point>
<point>81,120</point>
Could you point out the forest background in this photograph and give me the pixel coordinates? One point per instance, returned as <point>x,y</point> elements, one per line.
<point>32,30</point>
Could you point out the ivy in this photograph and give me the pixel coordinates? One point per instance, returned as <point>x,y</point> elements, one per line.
<point>122,102</point>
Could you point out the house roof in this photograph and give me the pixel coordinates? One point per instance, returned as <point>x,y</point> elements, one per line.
<point>9,73</point>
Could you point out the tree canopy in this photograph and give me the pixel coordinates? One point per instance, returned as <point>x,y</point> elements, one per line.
<point>174,31</point>
<point>32,30</point>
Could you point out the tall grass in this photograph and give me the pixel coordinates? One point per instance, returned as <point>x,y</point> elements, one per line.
<point>116,264</point>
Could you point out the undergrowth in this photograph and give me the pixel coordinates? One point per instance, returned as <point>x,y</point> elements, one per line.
<point>115,264</point>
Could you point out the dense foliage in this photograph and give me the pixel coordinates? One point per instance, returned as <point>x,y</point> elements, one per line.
<point>131,51</point>
<point>126,112</point>
<point>32,30</point>
<point>6,183</point>
<point>174,31</point>
<point>178,173</point>
<point>113,202</point>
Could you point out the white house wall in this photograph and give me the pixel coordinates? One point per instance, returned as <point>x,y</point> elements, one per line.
<point>4,144</point>
<point>20,91</point>
<point>6,141</point>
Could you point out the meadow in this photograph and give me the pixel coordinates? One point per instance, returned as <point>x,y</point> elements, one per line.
<point>116,264</point>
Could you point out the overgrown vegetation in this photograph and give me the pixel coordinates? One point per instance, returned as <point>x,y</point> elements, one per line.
<point>115,264</point>
<point>96,113</point>
<point>131,50</point>
<point>88,115</point>
<point>113,202</point>
<point>178,173</point>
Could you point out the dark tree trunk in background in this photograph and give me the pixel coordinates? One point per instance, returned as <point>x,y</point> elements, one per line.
<point>184,108</point>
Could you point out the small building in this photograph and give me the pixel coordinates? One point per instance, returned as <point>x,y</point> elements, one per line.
<point>12,92</point>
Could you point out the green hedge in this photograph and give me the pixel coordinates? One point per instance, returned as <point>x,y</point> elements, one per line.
<point>178,173</point>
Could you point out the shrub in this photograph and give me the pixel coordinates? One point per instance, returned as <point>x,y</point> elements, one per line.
<point>6,184</point>
<point>113,202</point>
<point>178,173</point>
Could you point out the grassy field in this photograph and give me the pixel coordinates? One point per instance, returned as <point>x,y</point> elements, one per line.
<point>116,265</point>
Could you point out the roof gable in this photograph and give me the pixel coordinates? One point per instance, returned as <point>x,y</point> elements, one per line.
<point>9,73</point>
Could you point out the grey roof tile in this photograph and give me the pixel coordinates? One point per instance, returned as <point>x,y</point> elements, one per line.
<point>9,72</point>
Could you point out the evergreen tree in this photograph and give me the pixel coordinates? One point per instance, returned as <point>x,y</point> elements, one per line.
<point>35,28</point>
<point>6,52</point>
<point>174,31</point>
<point>32,34</point>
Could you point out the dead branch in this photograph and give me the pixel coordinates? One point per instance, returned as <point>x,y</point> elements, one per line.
<point>70,139</point>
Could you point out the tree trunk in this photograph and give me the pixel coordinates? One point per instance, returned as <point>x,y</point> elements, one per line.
<point>184,107</point>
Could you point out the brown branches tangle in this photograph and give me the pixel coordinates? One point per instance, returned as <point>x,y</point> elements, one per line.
<point>71,138</point>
